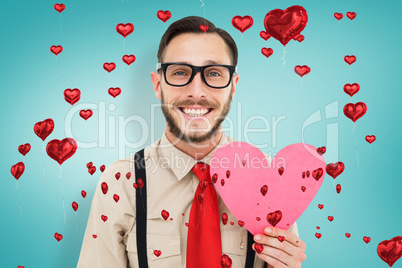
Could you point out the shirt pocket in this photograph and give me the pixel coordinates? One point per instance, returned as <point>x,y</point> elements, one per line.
<point>234,244</point>
<point>162,251</point>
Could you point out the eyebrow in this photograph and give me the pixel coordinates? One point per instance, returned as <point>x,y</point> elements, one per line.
<point>208,62</point>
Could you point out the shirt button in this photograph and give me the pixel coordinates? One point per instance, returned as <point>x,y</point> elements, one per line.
<point>242,245</point>
<point>150,251</point>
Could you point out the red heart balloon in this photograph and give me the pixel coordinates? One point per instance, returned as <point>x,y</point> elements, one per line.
<point>302,70</point>
<point>338,16</point>
<point>366,239</point>
<point>318,235</point>
<point>89,164</point>
<point>224,218</point>
<point>17,170</point>
<point>56,49</point>
<point>226,261</point>
<point>102,168</point>
<point>351,15</point>
<point>140,183</point>
<point>125,29</point>
<point>128,59</point>
<point>338,188</point>
<point>283,25</point>
<point>259,248</point>
<point>104,187</point>
<point>331,218</point>
<point>264,35</point>
<point>204,28</point>
<point>86,114</point>
<point>43,128</point>
<point>83,193</point>
<point>165,214</point>
<point>320,206</point>
<point>241,223</point>
<point>59,7</point>
<point>267,51</point>
<point>92,170</point>
<point>355,111</point>
<point>242,23</point>
<point>370,138</point>
<point>347,235</point>
<point>117,175</point>
<point>24,148</point>
<point>335,169</point>
<point>390,250</point>
<point>94,236</point>
<point>157,253</point>
<point>109,66</point>
<point>281,238</point>
<point>128,175</point>
<point>351,89</point>
<point>321,150</point>
<point>114,91</point>
<point>72,96</point>
<point>163,15</point>
<point>58,237</point>
<point>274,217</point>
<point>75,206</point>
<point>104,218</point>
<point>350,59</point>
<point>62,150</point>
<point>116,198</point>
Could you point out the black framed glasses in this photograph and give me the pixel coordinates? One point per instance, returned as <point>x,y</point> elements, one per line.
<point>181,74</point>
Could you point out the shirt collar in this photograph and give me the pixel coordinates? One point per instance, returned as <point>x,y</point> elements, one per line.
<point>181,163</point>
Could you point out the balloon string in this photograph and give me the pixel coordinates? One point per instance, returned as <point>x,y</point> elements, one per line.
<point>19,199</point>
<point>124,44</point>
<point>370,154</point>
<point>43,160</point>
<point>58,246</point>
<point>283,56</point>
<point>357,153</point>
<point>76,224</point>
<point>61,24</point>
<point>241,38</point>
<point>339,29</point>
<point>62,195</point>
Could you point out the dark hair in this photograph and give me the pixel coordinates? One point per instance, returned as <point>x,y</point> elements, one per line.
<point>192,24</point>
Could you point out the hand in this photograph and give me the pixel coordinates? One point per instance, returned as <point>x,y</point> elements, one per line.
<point>289,253</point>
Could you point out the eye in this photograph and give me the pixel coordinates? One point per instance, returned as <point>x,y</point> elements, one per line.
<point>179,73</point>
<point>213,74</point>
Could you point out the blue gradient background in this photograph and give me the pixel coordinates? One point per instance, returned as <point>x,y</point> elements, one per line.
<point>33,81</point>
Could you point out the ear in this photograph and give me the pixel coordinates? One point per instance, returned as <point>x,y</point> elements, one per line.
<point>234,83</point>
<point>156,82</point>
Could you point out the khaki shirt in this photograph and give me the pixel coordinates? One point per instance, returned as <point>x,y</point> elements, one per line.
<point>170,186</point>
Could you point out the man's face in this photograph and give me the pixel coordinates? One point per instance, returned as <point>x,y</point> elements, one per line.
<point>178,102</point>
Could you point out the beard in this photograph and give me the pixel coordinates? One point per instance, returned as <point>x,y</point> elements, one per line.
<point>193,138</point>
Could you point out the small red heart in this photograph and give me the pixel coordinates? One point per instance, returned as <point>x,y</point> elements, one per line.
<point>317,174</point>
<point>19,266</point>
<point>165,214</point>
<point>72,96</point>
<point>318,227</point>
<point>135,185</point>
<point>351,15</point>
<point>56,50</point>
<point>157,253</point>
<point>338,16</point>
<point>94,236</point>
<point>338,188</point>
<point>117,175</point>
<point>335,169</point>
<point>109,66</point>
<point>75,206</point>
<point>128,175</point>
<point>43,128</point>
<point>83,193</point>
<point>258,248</point>
<point>59,7</point>
<point>366,239</point>
<point>92,170</point>
<point>321,150</point>
<point>350,59</point>
<point>390,250</point>
<point>171,219</point>
<point>164,15</point>
<point>128,59</point>
<point>114,91</point>
<point>320,206</point>
<point>102,168</point>
<point>308,173</point>
<point>125,29</point>
<point>281,238</point>
<point>302,70</point>
<point>140,183</point>
<point>62,150</point>
<point>226,261</point>
<point>280,170</point>
<point>264,190</point>
<point>222,182</point>
<point>331,218</point>
<point>85,114</point>
<point>201,196</point>
<point>241,223</point>
<point>204,28</point>
<point>231,223</point>
<point>347,235</point>
<point>351,89</point>
<point>318,235</point>
<point>242,23</point>
<point>369,138</point>
<point>25,148</point>
<point>258,218</point>
<point>303,188</point>
<point>264,35</point>
<point>90,164</point>
<point>116,198</point>
<point>104,187</point>
<point>58,237</point>
<point>224,218</point>
<point>214,178</point>
<point>267,52</point>
<point>186,224</point>
<point>303,175</point>
<point>228,174</point>
<point>274,217</point>
<point>104,218</point>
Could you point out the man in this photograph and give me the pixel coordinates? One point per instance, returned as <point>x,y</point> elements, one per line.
<point>196,81</point>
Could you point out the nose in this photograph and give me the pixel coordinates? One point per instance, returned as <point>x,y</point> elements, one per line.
<point>197,88</point>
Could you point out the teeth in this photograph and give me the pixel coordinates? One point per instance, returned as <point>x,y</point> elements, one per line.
<point>195,112</point>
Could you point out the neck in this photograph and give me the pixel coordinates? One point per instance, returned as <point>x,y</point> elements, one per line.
<point>195,150</point>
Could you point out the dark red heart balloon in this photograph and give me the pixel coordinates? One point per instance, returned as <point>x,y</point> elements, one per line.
<point>117,175</point>
<point>104,187</point>
<point>75,206</point>
<point>128,175</point>
<point>303,188</point>
<point>43,128</point>
<point>56,50</point>
<point>58,236</point>
<point>321,150</point>
<point>62,150</point>
<point>92,170</point>
<point>128,59</point>
<point>351,15</point>
<point>338,16</point>
<point>267,51</point>
<point>330,218</point>
<point>125,29</point>
<point>281,170</point>
<point>370,138</point>
<point>109,66</point>
<point>281,238</point>
<point>140,183</point>
<point>351,89</point>
<point>274,217</point>
<point>104,218</point>
<point>241,223</point>
<point>338,188</point>
<point>24,148</point>
<point>264,35</point>
<point>347,235</point>
<point>85,114</point>
<point>204,28</point>
<point>366,239</point>
<point>94,236</point>
<point>350,59</point>
<point>226,261</point>
<point>17,170</point>
<point>390,250</point>
<point>224,218</point>
<point>59,7</point>
<point>335,169</point>
<point>283,25</point>
<point>116,198</point>
<point>163,15</point>
<point>89,164</point>
<point>320,206</point>
<point>355,111</point>
<point>318,235</point>
<point>165,214</point>
<point>83,193</point>
<point>258,248</point>
<point>242,23</point>
<point>302,70</point>
<point>157,253</point>
<point>102,168</point>
<point>317,174</point>
<point>72,96</point>
<point>264,190</point>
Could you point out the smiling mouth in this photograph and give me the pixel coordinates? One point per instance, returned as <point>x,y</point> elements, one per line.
<point>195,112</point>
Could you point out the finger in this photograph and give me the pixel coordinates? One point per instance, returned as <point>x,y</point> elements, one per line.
<point>286,235</point>
<point>268,256</point>
<point>273,242</point>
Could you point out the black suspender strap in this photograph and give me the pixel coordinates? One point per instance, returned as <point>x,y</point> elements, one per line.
<point>141,208</point>
<point>250,251</point>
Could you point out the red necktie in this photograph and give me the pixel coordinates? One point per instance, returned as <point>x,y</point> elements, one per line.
<point>204,247</point>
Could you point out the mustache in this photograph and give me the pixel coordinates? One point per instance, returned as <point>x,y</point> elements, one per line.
<point>203,103</point>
